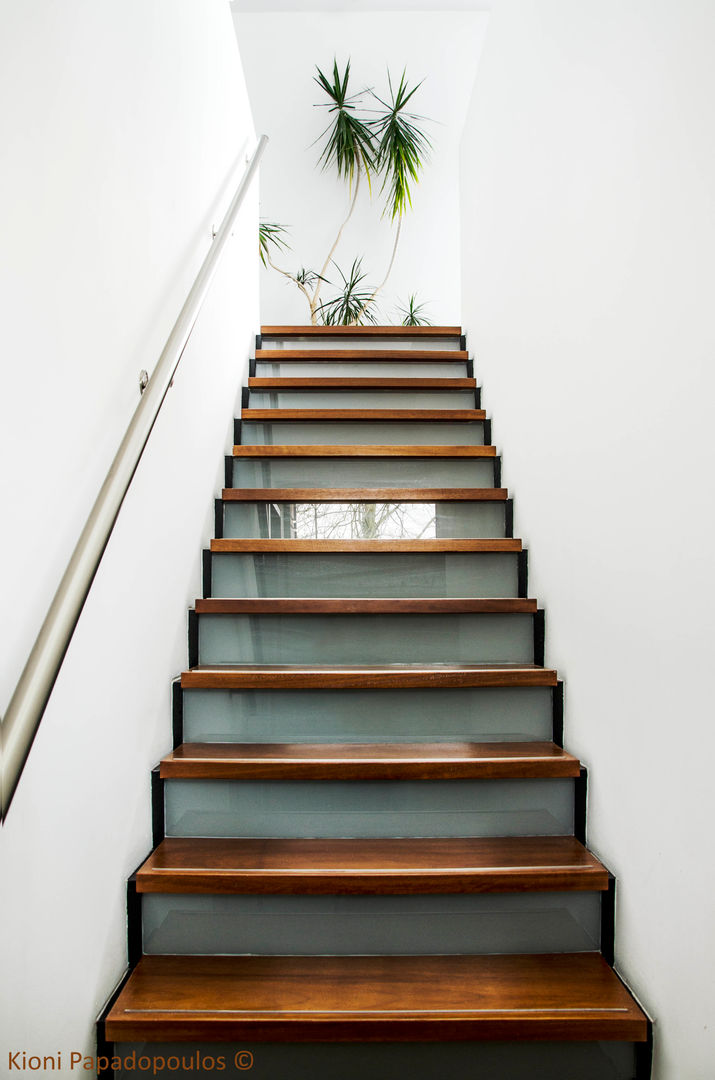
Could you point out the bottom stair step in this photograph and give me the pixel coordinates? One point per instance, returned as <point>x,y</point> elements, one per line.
<point>375,998</point>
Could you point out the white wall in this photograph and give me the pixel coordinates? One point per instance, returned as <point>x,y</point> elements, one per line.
<point>359,5</point>
<point>122,136</point>
<point>588,173</point>
<point>280,54</point>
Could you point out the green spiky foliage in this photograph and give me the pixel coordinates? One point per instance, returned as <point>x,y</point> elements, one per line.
<point>309,278</point>
<point>389,143</point>
<point>350,143</point>
<point>401,146</point>
<point>413,313</point>
<point>353,305</point>
<point>270,234</point>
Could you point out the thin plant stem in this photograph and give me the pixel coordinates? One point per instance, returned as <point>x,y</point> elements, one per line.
<point>389,270</point>
<point>316,294</point>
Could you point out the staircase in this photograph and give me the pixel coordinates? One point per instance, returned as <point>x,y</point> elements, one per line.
<point>369,841</point>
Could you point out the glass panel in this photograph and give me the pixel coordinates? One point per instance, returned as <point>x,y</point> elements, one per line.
<point>517,713</point>
<point>362,399</point>
<point>372,574</point>
<point>383,925</point>
<point>344,432</point>
<point>365,521</point>
<point>366,639</point>
<point>358,1061</point>
<point>364,472</point>
<point>360,369</point>
<point>339,341</point>
<point>369,809</point>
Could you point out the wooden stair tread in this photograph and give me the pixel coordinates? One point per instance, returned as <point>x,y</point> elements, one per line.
<point>296,546</point>
<point>293,998</point>
<point>447,355</point>
<point>361,331</point>
<point>360,383</point>
<point>311,495</point>
<point>404,866</point>
<point>364,677</point>
<point>377,761</point>
<point>356,450</point>
<point>446,415</point>
<point>319,605</point>
<point>365,356</point>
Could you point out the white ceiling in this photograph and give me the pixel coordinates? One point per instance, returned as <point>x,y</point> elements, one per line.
<point>356,6</point>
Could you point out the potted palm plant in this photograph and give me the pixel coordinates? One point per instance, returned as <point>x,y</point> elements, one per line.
<point>384,144</point>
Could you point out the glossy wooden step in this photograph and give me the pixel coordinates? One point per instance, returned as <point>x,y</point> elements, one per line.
<point>302,546</point>
<point>374,998</point>
<point>371,867</point>
<point>387,415</point>
<point>413,355</point>
<point>318,605</point>
<point>354,450</point>
<point>369,761</point>
<point>343,495</point>
<point>362,331</point>
<point>343,677</point>
<point>360,383</point>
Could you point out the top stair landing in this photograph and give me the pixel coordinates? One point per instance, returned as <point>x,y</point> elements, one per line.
<point>327,338</point>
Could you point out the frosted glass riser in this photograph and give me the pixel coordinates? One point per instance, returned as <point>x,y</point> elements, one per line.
<point>473,714</point>
<point>362,399</point>
<point>364,472</point>
<point>363,432</point>
<point>366,639</point>
<point>360,369</point>
<point>372,574</point>
<point>371,925</point>
<point>385,1061</point>
<point>369,809</point>
<point>329,343</point>
<point>455,520</point>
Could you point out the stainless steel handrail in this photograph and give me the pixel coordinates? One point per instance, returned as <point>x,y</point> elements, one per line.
<point>28,702</point>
